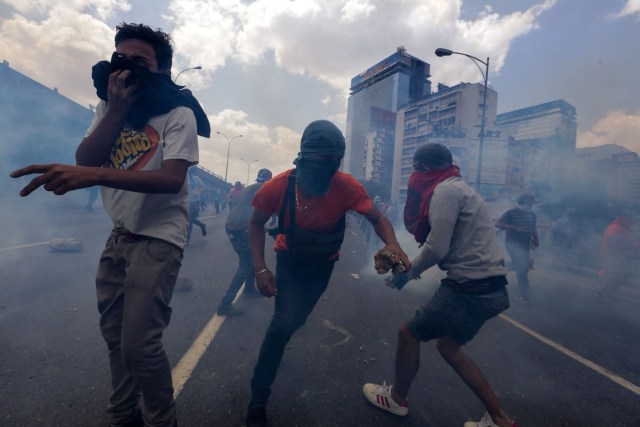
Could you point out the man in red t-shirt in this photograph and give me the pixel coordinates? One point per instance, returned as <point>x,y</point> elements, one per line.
<point>619,254</point>
<point>318,196</point>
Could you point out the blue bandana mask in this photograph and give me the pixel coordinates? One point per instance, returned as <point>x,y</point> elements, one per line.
<point>314,176</point>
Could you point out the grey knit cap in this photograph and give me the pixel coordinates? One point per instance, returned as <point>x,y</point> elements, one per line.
<point>433,156</point>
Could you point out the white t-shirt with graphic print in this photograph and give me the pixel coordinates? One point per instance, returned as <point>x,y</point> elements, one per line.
<point>169,136</point>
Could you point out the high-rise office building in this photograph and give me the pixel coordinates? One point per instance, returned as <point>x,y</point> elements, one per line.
<point>376,95</point>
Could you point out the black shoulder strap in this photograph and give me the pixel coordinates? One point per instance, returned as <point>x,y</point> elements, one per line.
<point>288,200</point>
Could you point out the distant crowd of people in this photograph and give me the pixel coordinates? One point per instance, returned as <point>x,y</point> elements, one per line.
<point>153,197</point>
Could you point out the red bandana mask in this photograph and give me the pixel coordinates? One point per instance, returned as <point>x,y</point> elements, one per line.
<point>416,209</point>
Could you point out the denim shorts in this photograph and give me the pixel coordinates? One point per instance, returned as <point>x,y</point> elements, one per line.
<point>456,314</point>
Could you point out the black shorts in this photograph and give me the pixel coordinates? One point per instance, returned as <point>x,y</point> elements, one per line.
<point>456,314</point>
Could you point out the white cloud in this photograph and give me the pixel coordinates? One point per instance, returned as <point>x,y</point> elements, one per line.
<point>333,40</point>
<point>491,34</point>
<point>330,40</point>
<point>204,33</point>
<point>102,8</point>
<point>274,149</point>
<point>617,127</point>
<point>353,10</point>
<point>327,40</point>
<point>631,7</point>
<point>59,50</point>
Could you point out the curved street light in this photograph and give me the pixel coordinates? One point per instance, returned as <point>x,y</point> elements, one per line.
<point>199,67</point>
<point>228,149</point>
<point>440,52</point>
<point>248,167</point>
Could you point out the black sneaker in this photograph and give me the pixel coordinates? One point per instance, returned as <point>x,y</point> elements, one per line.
<point>229,310</point>
<point>257,417</point>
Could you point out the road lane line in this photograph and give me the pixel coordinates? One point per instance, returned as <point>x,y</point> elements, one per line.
<point>599,369</point>
<point>183,370</point>
<point>10,248</point>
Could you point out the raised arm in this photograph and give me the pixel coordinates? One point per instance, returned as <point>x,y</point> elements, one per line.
<point>384,230</point>
<point>95,148</point>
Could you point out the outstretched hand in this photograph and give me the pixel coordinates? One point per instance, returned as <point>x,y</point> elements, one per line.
<point>391,258</point>
<point>57,178</point>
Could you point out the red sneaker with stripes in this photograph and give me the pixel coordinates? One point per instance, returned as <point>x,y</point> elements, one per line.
<point>380,396</point>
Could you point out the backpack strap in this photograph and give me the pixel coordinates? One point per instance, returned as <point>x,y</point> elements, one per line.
<point>288,200</point>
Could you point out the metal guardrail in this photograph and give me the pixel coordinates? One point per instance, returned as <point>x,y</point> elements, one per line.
<point>209,172</point>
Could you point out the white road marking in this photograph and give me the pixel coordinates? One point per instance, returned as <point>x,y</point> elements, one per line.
<point>599,369</point>
<point>10,248</point>
<point>183,370</point>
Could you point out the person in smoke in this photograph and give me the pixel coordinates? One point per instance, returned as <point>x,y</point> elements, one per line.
<point>620,254</point>
<point>453,225</point>
<point>237,228</point>
<point>311,201</point>
<point>217,195</point>
<point>566,237</point>
<point>565,233</point>
<point>519,224</point>
<point>233,193</point>
<point>138,148</point>
<point>91,198</point>
<point>195,200</point>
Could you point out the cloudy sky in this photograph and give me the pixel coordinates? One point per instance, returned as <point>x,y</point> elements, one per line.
<point>269,67</point>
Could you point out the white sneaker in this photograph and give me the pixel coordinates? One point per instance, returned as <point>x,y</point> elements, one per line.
<point>380,396</point>
<point>486,421</point>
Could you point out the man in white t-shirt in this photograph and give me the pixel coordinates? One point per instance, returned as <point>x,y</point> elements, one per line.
<point>138,149</point>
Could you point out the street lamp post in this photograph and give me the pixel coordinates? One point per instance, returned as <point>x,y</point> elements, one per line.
<point>248,167</point>
<point>199,67</point>
<point>226,170</point>
<point>446,52</point>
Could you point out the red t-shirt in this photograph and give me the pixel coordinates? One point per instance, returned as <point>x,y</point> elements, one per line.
<point>622,236</point>
<point>320,213</point>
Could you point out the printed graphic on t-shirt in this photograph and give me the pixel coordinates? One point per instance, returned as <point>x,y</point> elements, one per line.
<point>134,148</point>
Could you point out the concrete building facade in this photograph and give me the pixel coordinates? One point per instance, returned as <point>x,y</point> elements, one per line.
<point>450,116</point>
<point>608,171</point>
<point>542,139</point>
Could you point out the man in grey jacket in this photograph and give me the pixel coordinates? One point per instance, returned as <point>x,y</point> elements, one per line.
<point>237,228</point>
<point>454,224</point>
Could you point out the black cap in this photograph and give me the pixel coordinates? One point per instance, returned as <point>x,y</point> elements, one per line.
<point>264,175</point>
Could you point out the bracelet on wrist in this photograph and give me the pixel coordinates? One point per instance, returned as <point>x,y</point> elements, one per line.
<point>261,271</point>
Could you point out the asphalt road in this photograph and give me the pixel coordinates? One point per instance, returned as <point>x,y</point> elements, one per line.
<point>570,359</point>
